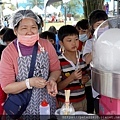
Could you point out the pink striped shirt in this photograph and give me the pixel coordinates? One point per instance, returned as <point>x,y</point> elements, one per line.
<point>9,64</point>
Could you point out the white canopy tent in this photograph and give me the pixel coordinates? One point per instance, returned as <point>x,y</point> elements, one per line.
<point>37,10</point>
<point>7,11</point>
<point>50,9</point>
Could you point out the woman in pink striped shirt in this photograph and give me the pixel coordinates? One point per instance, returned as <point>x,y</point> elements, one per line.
<point>15,64</point>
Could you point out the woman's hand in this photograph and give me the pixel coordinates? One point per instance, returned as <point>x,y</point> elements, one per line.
<point>37,82</point>
<point>52,88</point>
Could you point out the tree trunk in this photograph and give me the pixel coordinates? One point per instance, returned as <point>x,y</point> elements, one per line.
<point>90,5</point>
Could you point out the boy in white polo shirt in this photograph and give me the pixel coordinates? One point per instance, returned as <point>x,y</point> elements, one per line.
<point>95,19</point>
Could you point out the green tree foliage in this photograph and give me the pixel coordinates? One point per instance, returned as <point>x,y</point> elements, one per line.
<point>56,4</point>
<point>39,3</point>
<point>72,7</point>
<point>90,5</point>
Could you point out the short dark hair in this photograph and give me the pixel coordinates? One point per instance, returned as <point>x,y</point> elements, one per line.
<point>52,29</point>
<point>2,47</point>
<point>82,24</point>
<point>67,30</point>
<point>9,35</point>
<point>97,15</point>
<point>48,34</point>
<point>3,30</point>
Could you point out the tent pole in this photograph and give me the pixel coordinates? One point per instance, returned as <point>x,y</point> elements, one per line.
<point>45,20</point>
<point>65,15</point>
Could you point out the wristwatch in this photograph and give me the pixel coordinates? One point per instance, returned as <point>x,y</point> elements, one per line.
<point>27,82</point>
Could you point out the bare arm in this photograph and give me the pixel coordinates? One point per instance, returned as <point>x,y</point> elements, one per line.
<point>54,75</point>
<point>64,83</point>
<point>17,87</point>
<point>88,58</point>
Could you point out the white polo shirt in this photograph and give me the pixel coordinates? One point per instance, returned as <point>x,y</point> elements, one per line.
<point>88,49</point>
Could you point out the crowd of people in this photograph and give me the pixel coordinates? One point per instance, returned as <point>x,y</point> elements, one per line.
<point>62,63</point>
